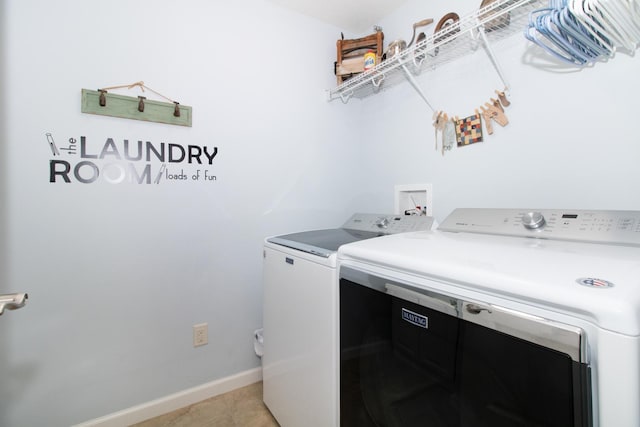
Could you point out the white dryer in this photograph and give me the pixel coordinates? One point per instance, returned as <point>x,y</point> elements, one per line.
<point>300,307</point>
<point>501,317</point>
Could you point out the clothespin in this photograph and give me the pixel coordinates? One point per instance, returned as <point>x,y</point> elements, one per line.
<point>503,98</point>
<point>436,125</point>
<point>496,104</point>
<point>487,119</point>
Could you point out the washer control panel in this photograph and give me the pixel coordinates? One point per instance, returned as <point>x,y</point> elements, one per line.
<point>388,224</point>
<point>611,227</point>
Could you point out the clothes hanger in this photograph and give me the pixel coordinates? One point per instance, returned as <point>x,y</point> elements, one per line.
<point>568,38</point>
<point>619,20</point>
<point>538,35</point>
<point>622,13</point>
<point>581,32</point>
<point>580,36</point>
<point>547,24</point>
<point>593,27</point>
<point>571,43</point>
<point>577,35</point>
<point>602,15</point>
<point>634,6</point>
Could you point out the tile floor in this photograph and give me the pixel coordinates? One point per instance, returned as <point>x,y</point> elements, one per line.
<point>238,408</point>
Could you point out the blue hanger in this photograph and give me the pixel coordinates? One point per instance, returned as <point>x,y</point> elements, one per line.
<point>564,38</point>
<point>538,33</point>
<point>590,26</point>
<point>580,36</point>
<point>584,38</point>
<point>542,29</point>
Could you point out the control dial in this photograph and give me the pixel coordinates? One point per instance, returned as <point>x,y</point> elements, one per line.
<point>382,222</point>
<point>533,220</point>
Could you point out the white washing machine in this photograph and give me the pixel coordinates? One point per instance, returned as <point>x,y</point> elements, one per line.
<point>300,306</point>
<point>499,318</point>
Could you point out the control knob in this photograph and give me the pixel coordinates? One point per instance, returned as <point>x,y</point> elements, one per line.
<point>533,220</point>
<point>382,223</point>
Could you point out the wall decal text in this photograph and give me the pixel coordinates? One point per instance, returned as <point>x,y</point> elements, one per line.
<point>124,161</point>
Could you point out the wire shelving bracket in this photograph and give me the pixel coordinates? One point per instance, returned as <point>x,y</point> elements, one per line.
<point>485,26</point>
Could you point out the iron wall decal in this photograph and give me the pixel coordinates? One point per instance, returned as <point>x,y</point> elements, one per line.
<point>124,161</point>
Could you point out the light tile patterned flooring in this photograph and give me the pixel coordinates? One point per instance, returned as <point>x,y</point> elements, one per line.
<point>238,408</point>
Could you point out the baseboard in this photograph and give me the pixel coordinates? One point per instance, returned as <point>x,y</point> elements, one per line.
<point>175,401</point>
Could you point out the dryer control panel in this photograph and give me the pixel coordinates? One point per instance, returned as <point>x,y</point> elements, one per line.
<point>609,227</point>
<point>388,224</point>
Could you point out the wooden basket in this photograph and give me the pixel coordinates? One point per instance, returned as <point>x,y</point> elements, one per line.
<point>350,60</point>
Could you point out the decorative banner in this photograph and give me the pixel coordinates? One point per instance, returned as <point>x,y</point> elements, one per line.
<point>139,108</point>
<point>469,130</point>
<point>139,162</point>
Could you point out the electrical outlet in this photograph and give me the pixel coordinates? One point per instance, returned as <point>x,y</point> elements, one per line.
<point>200,334</point>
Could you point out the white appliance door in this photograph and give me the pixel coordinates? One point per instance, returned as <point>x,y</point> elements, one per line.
<point>299,368</point>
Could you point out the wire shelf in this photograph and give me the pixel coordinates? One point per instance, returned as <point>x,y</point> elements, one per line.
<point>486,25</point>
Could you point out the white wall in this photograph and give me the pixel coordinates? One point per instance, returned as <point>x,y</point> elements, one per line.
<point>4,362</point>
<point>571,141</point>
<point>118,273</point>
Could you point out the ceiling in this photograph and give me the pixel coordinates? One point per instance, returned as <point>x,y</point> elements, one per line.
<point>355,16</point>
